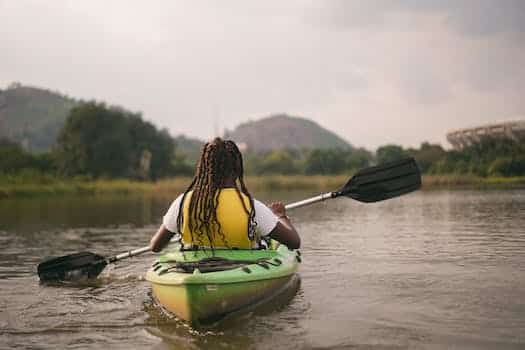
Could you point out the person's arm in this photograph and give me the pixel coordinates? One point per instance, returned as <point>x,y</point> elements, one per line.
<point>168,228</point>
<point>284,232</point>
<point>160,239</point>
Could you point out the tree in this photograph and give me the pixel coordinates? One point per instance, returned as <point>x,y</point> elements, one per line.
<point>327,161</point>
<point>358,158</point>
<point>389,153</point>
<point>428,155</point>
<point>108,141</point>
<point>13,157</point>
<point>278,162</point>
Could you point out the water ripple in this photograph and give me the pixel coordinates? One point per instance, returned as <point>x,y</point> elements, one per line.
<point>430,270</point>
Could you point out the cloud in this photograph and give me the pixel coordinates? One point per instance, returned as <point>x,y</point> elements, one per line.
<point>374,71</point>
<point>423,85</point>
<point>467,17</point>
<point>486,17</point>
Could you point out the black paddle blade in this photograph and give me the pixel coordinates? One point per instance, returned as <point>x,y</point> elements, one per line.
<point>384,181</point>
<point>71,267</point>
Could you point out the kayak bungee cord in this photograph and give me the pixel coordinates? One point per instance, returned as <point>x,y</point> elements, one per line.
<point>212,264</point>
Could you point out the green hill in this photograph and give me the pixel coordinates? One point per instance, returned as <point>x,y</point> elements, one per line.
<point>32,116</point>
<point>283,131</point>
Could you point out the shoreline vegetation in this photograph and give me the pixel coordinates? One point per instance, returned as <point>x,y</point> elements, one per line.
<point>16,187</point>
<point>105,150</point>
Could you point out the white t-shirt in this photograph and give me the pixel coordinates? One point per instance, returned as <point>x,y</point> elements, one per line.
<point>264,217</point>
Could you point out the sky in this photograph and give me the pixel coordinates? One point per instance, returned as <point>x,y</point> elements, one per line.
<point>375,72</point>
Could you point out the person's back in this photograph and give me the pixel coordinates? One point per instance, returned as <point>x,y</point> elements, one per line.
<point>217,211</point>
<point>230,231</point>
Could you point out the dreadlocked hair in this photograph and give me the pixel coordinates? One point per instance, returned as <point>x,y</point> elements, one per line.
<point>220,160</point>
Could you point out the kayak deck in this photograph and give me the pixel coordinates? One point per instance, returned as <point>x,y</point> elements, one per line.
<point>251,277</point>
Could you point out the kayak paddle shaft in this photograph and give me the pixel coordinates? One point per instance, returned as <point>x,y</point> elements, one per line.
<point>128,254</point>
<point>319,198</point>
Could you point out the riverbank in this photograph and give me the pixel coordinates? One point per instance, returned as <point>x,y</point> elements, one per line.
<point>49,186</point>
<point>431,182</point>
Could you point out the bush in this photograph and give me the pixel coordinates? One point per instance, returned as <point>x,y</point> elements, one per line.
<point>508,166</point>
<point>14,159</point>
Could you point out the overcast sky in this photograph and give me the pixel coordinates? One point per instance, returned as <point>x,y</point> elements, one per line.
<point>375,72</point>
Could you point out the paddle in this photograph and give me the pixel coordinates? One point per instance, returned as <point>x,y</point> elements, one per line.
<point>79,265</point>
<point>371,184</point>
<point>375,183</point>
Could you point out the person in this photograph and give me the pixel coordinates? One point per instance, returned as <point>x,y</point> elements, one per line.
<point>217,211</point>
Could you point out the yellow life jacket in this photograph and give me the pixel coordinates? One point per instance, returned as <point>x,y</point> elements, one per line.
<point>233,220</point>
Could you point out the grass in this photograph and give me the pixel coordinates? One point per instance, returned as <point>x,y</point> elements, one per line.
<point>295,182</point>
<point>472,182</point>
<point>46,185</point>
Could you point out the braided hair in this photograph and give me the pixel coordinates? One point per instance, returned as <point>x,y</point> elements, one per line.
<point>220,161</point>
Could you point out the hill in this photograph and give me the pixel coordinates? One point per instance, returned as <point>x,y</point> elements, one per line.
<point>283,131</point>
<point>32,116</point>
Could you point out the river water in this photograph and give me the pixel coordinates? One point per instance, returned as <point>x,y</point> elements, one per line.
<point>430,270</point>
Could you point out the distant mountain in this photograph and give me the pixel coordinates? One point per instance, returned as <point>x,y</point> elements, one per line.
<point>283,131</point>
<point>33,116</point>
<point>189,147</point>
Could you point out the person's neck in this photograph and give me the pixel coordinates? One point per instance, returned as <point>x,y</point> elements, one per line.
<point>228,183</point>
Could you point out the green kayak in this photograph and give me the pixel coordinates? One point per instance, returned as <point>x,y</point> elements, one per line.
<point>202,287</point>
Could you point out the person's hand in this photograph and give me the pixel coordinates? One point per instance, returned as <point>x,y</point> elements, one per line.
<point>278,209</point>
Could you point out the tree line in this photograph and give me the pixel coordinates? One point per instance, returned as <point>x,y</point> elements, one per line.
<point>489,157</point>
<point>101,141</point>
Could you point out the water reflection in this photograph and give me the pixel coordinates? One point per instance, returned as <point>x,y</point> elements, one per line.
<point>84,211</point>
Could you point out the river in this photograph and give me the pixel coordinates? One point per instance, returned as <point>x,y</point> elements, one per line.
<point>430,270</point>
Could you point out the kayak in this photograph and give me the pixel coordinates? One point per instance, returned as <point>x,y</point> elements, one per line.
<point>203,287</point>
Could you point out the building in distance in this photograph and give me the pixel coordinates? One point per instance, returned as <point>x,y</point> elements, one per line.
<point>514,130</point>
